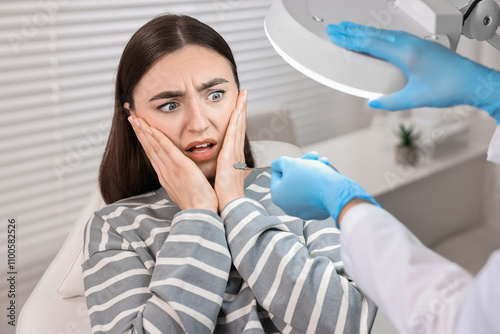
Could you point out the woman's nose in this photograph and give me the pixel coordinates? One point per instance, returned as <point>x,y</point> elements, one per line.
<point>198,120</point>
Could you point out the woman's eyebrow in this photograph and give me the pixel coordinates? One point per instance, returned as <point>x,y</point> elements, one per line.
<point>176,93</point>
<point>167,95</point>
<point>211,83</point>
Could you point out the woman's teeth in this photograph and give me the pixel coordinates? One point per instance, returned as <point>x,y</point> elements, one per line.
<point>201,148</point>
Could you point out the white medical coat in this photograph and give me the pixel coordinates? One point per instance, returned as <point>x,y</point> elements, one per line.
<point>419,290</point>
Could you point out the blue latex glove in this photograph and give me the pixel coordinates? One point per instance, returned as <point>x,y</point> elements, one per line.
<point>313,155</point>
<point>310,189</point>
<point>437,76</point>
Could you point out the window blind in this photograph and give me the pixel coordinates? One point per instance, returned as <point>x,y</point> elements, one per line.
<point>57,64</point>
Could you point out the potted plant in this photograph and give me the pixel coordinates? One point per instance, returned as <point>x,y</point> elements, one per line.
<point>407,150</point>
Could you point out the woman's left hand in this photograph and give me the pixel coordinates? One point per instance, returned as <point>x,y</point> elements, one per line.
<point>229,182</point>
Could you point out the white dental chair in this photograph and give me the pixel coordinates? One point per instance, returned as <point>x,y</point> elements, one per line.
<point>57,304</point>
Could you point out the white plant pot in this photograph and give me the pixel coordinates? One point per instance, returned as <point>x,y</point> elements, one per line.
<point>407,155</point>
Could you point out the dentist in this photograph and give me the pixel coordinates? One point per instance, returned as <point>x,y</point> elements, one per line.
<point>419,290</point>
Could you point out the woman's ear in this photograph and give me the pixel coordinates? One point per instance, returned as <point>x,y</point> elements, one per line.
<point>129,110</point>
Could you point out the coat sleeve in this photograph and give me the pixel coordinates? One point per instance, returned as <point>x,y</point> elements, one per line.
<point>300,288</point>
<point>494,148</point>
<point>179,290</point>
<point>419,290</point>
<point>481,306</point>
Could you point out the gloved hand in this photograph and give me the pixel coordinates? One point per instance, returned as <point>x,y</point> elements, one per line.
<point>437,76</point>
<point>310,189</point>
<point>313,155</point>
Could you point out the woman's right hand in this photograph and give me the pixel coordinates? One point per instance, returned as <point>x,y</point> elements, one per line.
<point>182,179</point>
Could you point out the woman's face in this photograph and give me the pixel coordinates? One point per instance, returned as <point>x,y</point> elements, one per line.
<point>189,96</point>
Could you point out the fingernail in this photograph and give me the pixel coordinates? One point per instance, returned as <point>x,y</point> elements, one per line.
<point>130,120</point>
<point>245,94</point>
<point>150,132</point>
<point>137,123</point>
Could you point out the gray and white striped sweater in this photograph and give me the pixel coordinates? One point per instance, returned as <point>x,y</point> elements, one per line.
<point>151,268</point>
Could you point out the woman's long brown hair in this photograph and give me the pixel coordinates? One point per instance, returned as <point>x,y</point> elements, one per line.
<point>125,168</point>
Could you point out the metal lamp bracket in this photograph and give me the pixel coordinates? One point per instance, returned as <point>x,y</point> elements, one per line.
<point>481,21</point>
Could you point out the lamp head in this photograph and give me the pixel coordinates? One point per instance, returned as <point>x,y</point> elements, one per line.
<point>297,31</point>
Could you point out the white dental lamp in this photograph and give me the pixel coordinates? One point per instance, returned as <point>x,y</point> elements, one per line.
<point>296,29</point>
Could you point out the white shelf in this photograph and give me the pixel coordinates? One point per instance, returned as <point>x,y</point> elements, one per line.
<point>367,156</point>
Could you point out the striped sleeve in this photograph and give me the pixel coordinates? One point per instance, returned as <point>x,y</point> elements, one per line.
<point>177,290</point>
<point>296,282</point>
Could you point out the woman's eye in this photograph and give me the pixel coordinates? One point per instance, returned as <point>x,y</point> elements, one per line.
<point>169,106</point>
<point>216,96</point>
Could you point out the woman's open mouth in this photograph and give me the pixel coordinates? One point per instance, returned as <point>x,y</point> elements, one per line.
<point>200,151</point>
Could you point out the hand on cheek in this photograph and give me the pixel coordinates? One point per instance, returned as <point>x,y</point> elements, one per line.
<point>182,179</point>
<point>229,182</point>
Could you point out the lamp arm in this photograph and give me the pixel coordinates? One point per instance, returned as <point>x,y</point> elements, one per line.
<point>460,4</point>
<point>475,19</point>
<point>495,41</point>
<point>439,17</point>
